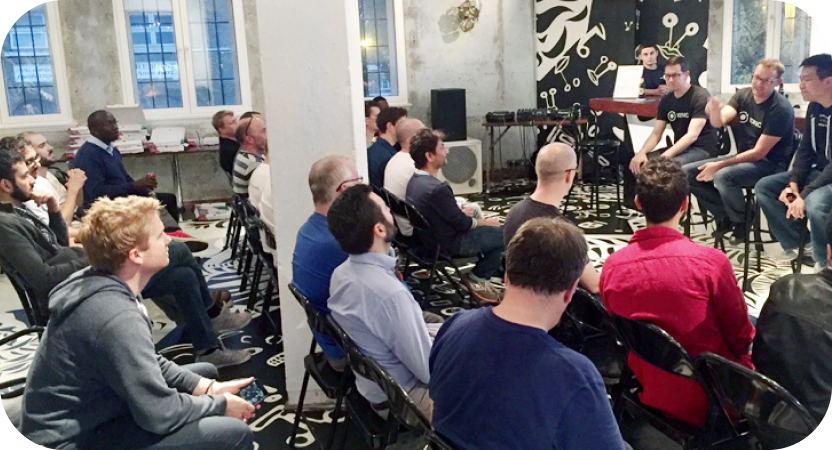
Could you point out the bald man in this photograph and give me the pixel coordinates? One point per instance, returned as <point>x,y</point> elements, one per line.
<point>555,167</point>
<point>400,167</point>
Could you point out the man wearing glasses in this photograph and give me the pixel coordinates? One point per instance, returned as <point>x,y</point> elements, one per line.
<point>764,132</point>
<point>251,134</point>
<point>555,168</point>
<point>684,109</point>
<point>317,253</point>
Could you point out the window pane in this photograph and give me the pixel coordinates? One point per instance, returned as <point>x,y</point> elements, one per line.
<point>153,53</point>
<point>214,46</point>
<point>748,38</point>
<point>795,35</point>
<point>378,42</point>
<point>27,66</point>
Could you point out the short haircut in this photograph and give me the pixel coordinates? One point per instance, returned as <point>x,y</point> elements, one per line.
<point>98,118</point>
<point>242,129</point>
<point>547,255</point>
<point>325,176</point>
<point>219,119</point>
<point>822,64</point>
<point>249,114</point>
<point>389,115</point>
<point>8,158</point>
<point>661,188</point>
<point>113,227</point>
<point>351,219</point>
<point>14,143</point>
<point>680,61</point>
<point>772,63</point>
<point>422,143</point>
<point>649,45</point>
<point>368,106</point>
<point>379,99</point>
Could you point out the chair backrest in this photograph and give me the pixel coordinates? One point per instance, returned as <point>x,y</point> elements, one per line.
<point>776,418</point>
<point>401,405</point>
<point>317,322</point>
<point>26,294</point>
<point>723,140</point>
<point>358,362</point>
<point>656,347</point>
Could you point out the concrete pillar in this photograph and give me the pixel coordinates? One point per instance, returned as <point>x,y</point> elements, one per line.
<point>313,88</point>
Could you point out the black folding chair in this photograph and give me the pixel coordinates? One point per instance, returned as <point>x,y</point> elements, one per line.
<point>264,261</point>
<point>333,384</point>
<point>11,390</point>
<point>657,348</point>
<point>774,416</point>
<point>35,315</point>
<point>235,226</point>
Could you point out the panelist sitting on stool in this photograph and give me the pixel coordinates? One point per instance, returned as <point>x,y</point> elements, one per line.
<point>684,109</point>
<point>806,191</point>
<point>764,137</point>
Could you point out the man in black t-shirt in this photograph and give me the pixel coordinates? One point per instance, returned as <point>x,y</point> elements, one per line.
<point>763,134</point>
<point>226,124</point>
<point>555,167</point>
<point>684,109</point>
<point>806,190</point>
<point>653,74</point>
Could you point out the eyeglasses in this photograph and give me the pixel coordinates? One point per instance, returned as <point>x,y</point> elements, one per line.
<point>670,76</point>
<point>351,182</point>
<point>569,170</point>
<point>31,162</point>
<point>763,80</point>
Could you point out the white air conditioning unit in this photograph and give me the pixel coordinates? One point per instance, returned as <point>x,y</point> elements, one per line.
<point>464,168</point>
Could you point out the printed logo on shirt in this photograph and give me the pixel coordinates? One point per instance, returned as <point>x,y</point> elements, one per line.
<point>823,119</point>
<point>746,118</point>
<point>673,115</point>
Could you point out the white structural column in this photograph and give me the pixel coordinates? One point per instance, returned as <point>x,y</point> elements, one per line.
<point>313,87</point>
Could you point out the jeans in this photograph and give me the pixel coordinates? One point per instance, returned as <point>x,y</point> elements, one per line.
<point>724,196</point>
<point>487,243</point>
<point>687,156</point>
<point>210,433</point>
<point>183,279</point>
<point>787,231</point>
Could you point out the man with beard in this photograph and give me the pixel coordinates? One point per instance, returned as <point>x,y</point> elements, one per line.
<point>371,304</point>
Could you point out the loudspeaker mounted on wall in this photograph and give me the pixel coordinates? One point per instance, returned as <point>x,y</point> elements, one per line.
<point>447,113</point>
<point>463,171</point>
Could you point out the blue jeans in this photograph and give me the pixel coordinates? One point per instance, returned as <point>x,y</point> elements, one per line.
<point>487,243</point>
<point>212,433</point>
<point>724,196</point>
<point>686,156</point>
<point>183,279</point>
<point>787,231</point>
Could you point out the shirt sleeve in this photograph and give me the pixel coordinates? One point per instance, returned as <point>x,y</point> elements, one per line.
<point>663,107</point>
<point>779,121</point>
<point>403,329</point>
<point>697,104</point>
<point>823,179</point>
<point>445,205</point>
<point>589,406</point>
<point>732,312</point>
<point>804,156</point>
<point>734,102</point>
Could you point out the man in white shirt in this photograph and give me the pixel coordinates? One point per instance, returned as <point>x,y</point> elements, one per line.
<point>260,196</point>
<point>400,167</point>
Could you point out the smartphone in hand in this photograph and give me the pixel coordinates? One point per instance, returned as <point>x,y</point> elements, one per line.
<point>254,393</point>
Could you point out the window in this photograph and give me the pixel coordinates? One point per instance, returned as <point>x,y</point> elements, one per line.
<point>183,57</point>
<point>31,84</point>
<point>785,29</point>
<point>382,49</point>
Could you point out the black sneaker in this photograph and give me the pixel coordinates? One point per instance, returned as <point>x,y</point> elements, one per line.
<point>722,227</point>
<point>739,234</point>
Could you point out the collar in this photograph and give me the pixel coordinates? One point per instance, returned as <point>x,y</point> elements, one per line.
<point>656,233</point>
<point>6,208</point>
<point>98,142</point>
<point>386,262</point>
<point>421,172</point>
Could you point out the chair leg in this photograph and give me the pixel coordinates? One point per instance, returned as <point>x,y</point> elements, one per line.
<point>797,267</point>
<point>747,249</point>
<point>267,301</point>
<point>335,414</point>
<point>255,284</point>
<point>299,410</point>
<point>245,269</point>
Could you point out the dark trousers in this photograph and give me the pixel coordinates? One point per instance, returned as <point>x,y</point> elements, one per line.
<point>170,215</point>
<point>182,280</point>
<point>209,433</point>
<point>487,243</point>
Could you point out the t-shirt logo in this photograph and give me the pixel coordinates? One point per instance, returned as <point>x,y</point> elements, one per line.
<point>671,116</point>
<point>743,117</point>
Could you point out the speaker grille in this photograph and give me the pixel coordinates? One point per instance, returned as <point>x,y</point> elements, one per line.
<point>461,166</point>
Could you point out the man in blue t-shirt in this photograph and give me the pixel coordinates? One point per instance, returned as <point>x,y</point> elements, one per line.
<point>529,390</point>
<point>317,253</point>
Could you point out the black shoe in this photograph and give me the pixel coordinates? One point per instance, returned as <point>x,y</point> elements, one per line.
<point>722,227</point>
<point>739,234</point>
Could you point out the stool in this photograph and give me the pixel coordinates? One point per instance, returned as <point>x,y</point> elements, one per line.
<point>797,264</point>
<point>704,214</point>
<point>752,219</point>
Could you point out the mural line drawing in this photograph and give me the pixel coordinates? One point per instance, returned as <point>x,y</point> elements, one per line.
<point>595,76</point>
<point>547,96</point>
<point>569,29</point>
<point>670,48</point>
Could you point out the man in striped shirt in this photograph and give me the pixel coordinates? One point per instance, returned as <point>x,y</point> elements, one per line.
<point>251,134</point>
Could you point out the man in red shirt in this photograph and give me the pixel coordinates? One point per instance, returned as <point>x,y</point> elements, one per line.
<point>687,289</point>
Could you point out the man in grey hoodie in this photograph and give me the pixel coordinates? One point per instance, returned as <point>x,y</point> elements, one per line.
<point>96,381</point>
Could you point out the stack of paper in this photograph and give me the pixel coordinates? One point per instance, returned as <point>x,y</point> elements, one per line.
<point>132,138</point>
<point>77,137</point>
<point>167,140</point>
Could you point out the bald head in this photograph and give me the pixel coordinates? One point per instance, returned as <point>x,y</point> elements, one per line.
<point>406,129</point>
<point>553,161</point>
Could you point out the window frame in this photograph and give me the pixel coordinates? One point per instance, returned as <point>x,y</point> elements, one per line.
<point>56,49</point>
<point>774,23</point>
<point>189,109</point>
<point>401,60</point>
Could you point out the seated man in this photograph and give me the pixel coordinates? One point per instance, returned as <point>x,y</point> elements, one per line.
<point>226,125</point>
<point>764,137</point>
<point>384,147</point>
<point>371,111</point>
<point>107,176</point>
<point>794,335</point>
<point>317,253</point>
<point>251,134</point>
<point>370,302</point>
<point>807,189</point>
<point>400,168</point>
<point>96,380</point>
<point>686,289</point>
<point>555,167</point>
<point>459,234</point>
<point>260,184</point>
<point>542,395</point>
<point>652,76</point>
<point>24,148</point>
<point>39,254</point>
<point>684,109</point>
